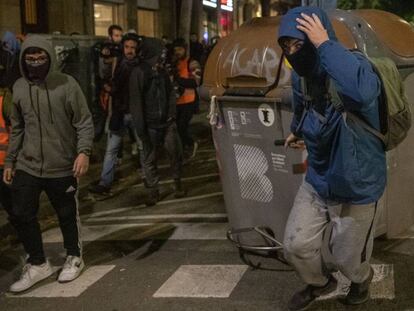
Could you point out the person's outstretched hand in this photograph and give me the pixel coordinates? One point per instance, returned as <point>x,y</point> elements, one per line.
<point>313,28</point>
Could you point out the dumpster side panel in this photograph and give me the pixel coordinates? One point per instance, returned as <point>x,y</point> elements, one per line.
<point>260,180</point>
<point>400,198</point>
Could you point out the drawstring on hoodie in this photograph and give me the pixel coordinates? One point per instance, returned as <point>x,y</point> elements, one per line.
<point>48,104</point>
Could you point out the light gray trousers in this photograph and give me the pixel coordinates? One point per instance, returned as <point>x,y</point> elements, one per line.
<point>350,243</point>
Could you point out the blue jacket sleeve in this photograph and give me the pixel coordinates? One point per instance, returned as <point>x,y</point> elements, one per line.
<point>352,74</point>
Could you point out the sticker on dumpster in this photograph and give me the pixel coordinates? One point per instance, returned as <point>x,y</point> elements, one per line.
<point>279,162</point>
<point>243,118</point>
<point>233,120</point>
<point>266,115</point>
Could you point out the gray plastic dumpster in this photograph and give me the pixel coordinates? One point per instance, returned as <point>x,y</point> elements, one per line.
<point>252,110</point>
<point>264,177</point>
<point>75,57</point>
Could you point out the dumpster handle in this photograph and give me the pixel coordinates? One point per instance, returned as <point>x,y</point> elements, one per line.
<point>279,72</point>
<point>230,237</point>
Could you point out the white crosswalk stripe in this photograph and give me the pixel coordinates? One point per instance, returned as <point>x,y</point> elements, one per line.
<point>202,281</point>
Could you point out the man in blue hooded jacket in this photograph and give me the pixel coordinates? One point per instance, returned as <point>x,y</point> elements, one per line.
<point>346,173</point>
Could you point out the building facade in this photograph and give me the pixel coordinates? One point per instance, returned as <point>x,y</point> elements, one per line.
<point>87,17</point>
<point>155,18</point>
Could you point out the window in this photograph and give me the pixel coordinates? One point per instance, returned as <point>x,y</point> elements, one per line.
<point>146,23</point>
<point>105,14</point>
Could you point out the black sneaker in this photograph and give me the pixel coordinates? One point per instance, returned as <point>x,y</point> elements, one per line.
<point>304,298</point>
<point>179,192</point>
<point>153,197</point>
<point>99,189</point>
<point>359,292</point>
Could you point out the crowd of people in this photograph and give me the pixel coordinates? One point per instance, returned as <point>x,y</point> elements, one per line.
<point>146,89</point>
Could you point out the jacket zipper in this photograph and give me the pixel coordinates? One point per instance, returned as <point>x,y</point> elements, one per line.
<point>41,134</point>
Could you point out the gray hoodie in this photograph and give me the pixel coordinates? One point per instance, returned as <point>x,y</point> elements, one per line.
<point>51,122</point>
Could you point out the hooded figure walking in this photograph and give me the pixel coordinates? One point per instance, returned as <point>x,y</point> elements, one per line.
<point>49,148</point>
<point>153,109</point>
<point>346,173</point>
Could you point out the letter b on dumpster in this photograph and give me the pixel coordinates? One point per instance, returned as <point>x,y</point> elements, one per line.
<point>252,166</point>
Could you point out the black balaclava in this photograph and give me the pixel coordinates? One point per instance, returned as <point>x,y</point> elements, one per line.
<point>304,61</point>
<point>36,73</point>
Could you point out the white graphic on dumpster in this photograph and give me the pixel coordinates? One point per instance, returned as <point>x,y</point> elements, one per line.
<point>252,166</point>
<point>266,115</point>
<point>263,62</point>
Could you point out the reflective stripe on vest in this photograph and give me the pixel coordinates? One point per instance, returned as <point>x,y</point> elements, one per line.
<point>4,135</point>
<point>189,95</point>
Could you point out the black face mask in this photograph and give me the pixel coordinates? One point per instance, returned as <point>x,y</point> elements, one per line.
<point>37,72</point>
<point>305,60</point>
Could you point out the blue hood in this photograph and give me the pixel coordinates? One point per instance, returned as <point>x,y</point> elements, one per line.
<point>10,43</point>
<point>288,24</point>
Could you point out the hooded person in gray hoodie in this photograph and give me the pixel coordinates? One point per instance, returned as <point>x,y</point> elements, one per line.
<point>49,148</point>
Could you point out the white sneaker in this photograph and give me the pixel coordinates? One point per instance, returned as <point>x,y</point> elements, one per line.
<point>71,269</point>
<point>30,276</point>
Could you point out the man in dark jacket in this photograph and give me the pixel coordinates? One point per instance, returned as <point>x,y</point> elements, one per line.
<point>121,119</point>
<point>106,54</point>
<point>50,143</point>
<point>346,172</point>
<point>187,78</point>
<point>152,104</point>
<point>196,48</point>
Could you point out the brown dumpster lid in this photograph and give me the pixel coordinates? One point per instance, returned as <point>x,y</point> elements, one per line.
<point>252,50</point>
<point>396,33</point>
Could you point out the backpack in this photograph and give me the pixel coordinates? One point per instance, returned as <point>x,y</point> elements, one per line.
<point>394,108</point>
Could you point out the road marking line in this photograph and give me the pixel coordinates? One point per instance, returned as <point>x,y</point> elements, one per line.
<point>125,209</point>
<point>135,232</point>
<point>72,289</point>
<point>170,181</point>
<point>202,281</point>
<point>382,286</point>
<point>165,216</point>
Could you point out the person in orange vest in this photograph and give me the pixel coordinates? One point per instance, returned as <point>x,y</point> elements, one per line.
<point>5,107</point>
<point>187,78</point>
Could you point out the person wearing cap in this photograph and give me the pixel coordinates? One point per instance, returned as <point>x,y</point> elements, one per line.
<point>346,173</point>
<point>49,147</point>
<point>187,77</point>
<point>121,118</point>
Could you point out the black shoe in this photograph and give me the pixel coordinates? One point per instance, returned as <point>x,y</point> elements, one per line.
<point>303,299</point>
<point>179,192</point>
<point>359,292</point>
<point>99,189</point>
<point>153,197</point>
